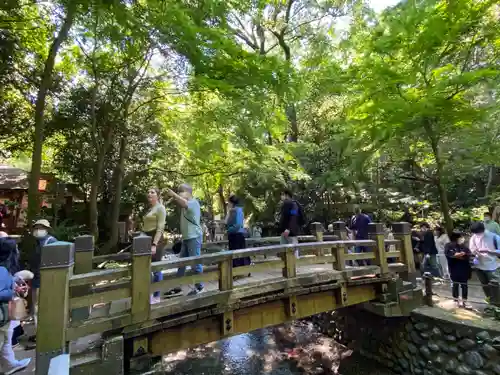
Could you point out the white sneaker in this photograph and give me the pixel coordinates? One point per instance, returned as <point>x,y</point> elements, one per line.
<point>154,300</point>
<point>21,365</point>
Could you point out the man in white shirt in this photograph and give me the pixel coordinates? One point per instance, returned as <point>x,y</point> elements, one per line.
<point>484,246</point>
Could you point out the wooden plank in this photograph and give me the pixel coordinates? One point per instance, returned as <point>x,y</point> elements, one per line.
<point>141,278</point>
<point>321,259</point>
<point>172,281</point>
<point>273,264</point>
<point>393,254</point>
<point>340,254</point>
<point>359,256</point>
<point>98,276</point>
<point>225,275</point>
<point>116,257</point>
<point>314,303</point>
<point>96,298</point>
<point>99,325</point>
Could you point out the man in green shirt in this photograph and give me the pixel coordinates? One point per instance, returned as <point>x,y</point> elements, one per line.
<point>192,233</point>
<point>491,225</point>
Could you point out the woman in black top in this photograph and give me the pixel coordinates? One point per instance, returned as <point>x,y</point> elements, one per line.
<point>458,256</point>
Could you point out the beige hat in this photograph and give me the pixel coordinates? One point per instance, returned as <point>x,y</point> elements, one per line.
<point>43,223</point>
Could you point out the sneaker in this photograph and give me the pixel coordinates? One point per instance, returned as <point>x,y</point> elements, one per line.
<point>466,306</point>
<point>173,292</point>
<point>196,291</point>
<point>20,365</point>
<point>154,300</point>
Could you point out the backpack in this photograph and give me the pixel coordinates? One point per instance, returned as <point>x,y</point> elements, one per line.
<point>301,219</point>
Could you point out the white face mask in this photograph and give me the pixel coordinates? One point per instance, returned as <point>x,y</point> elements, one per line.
<point>40,233</point>
<point>461,241</point>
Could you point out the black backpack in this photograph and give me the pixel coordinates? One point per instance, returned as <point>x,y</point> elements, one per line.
<point>301,218</point>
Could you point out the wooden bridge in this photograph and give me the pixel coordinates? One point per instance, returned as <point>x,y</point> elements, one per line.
<point>114,304</point>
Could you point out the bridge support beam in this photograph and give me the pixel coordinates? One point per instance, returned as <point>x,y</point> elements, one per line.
<point>55,271</point>
<point>402,232</point>
<point>84,251</point>
<point>141,279</point>
<point>376,233</point>
<point>340,251</point>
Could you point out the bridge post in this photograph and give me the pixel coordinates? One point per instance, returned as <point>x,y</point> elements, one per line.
<point>290,269</point>
<point>318,233</point>
<point>226,283</point>
<point>56,269</point>
<point>84,251</point>
<point>141,278</point>
<point>402,232</point>
<point>339,250</point>
<point>376,233</point>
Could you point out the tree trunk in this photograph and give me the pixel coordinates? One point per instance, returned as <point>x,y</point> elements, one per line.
<point>489,183</point>
<point>46,83</point>
<point>441,186</point>
<point>222,200</point>
<point>115,209</point>
<point>96,183</point>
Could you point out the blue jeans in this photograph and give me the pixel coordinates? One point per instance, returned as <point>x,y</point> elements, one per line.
<point>157,276</point>
<point>191,248</point>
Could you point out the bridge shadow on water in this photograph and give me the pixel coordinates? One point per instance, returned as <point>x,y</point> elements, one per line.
<point>291,349</point>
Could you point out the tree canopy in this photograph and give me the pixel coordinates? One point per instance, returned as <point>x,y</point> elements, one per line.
<point>342,104</point>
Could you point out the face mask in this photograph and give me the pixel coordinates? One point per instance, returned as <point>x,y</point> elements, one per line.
<point>40,233</point>
<point>461,241</point>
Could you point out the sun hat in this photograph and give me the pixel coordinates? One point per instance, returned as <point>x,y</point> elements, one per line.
<point>43,223</point>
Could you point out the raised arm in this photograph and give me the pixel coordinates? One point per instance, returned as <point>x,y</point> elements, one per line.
<point>177,198</point>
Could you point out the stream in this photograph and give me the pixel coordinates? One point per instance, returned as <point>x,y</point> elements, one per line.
<point>291,349</point>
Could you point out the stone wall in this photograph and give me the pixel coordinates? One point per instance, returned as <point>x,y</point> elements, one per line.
<point>430,342</point>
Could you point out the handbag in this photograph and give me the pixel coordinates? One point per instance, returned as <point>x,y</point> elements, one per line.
<point>18,309</point>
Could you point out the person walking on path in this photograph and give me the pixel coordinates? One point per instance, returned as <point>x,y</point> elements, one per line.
<point>291,220</point>
<point>484,246</point>
<point>9,286</point>
<point>235,230</point>
<point>441,239</point>
<point>359,224</point>
<point>154,226</point>
<point>491,225</point>
<point>458,256</point>
<point>429,249</point>
<point>191,232</point>
<point>41,230</point>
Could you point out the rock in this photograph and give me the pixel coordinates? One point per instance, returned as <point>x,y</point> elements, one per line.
<point>447,348</point>
<point>412,348</point>
<point>466,344</point>
<point>433,346</point>
<point>415,337</point>
<point>496,343</point>
<point>426,334</point>
<point>447,329</point>
<point>479,372</point>
<point>404,363</point>
<point>488,351</point>
<point>483,336</point>
<point>428,372</point>
<point>408,327</point>
<point>450,338</point>
<point>495,367</point>
<point>474,360</point>
<point>463,370</point>
<point>440,360</point>
<point>426,353</point>
<point>451,365</point>
<point>437,332</point>
<point>421,326</point>
<point>417,371</point>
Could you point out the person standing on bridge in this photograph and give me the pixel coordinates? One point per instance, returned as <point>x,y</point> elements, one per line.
<point>458,256</point>
<point>359,225</point>
<point>235,230</point>
<point>154,225</point>
<point>192,233</point>
<point>291,220</point>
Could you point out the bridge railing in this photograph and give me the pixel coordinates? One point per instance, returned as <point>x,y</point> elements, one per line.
<point>69,285</point>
